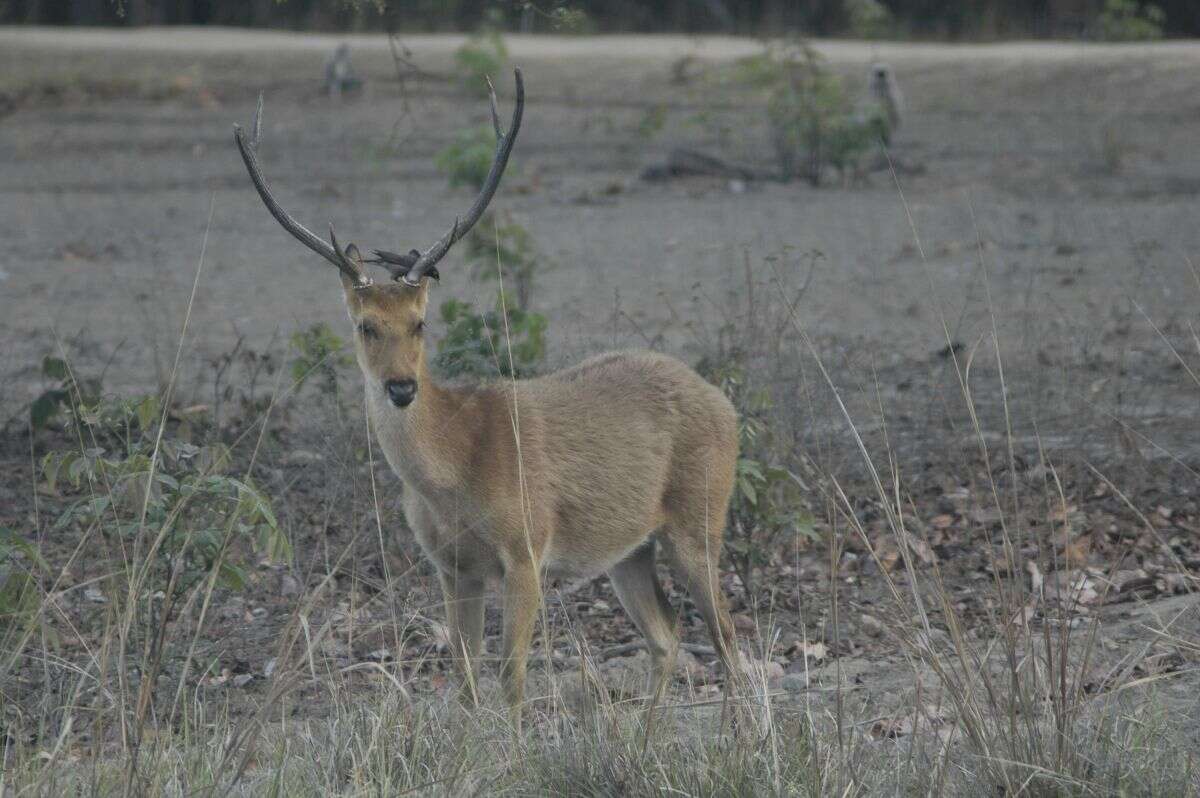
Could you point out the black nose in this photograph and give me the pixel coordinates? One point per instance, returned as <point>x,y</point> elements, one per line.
<point>401,392</point>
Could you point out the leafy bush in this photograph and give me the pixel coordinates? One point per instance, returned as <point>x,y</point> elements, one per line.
<point>141,488</point>
<point>511,246</point>
<point>1130,20</point>
<point>467,159</point>
<point>319,352</point>
<point>768,499</point>
<point>869,19</point>
<point>482,56</point>
<point>64,393</point>
<point>813,124</point>
<point>20,566</point>
<point>477,344</point>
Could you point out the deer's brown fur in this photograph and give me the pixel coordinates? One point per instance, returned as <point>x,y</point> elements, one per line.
<point>572,474</point>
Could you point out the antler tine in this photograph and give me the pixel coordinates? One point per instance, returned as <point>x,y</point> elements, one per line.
<point>492,101</point>
<point>504,144</point>
<point>256,128</point>
<point>330,252</point>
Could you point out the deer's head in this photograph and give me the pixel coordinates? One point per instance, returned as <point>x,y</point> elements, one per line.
<point>389,317</point>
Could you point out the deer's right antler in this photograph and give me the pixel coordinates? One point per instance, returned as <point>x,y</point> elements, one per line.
<point>413,265</point>
<point>329,251</point>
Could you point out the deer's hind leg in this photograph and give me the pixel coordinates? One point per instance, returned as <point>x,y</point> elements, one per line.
<point>692,539</point>
<point>642,596</point>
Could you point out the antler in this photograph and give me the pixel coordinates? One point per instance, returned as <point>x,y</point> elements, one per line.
<point>329,251</point>
<point>414,265</point>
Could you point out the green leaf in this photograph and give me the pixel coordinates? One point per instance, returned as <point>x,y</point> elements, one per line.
<point>44,408</point>
<point>147,411</point>
<point>231,576</point>
<point>54,368</point>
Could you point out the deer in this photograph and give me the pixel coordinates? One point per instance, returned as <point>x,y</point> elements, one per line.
<point>581,472</point>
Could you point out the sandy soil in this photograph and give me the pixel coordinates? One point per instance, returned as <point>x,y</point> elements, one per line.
<point>119,148</point>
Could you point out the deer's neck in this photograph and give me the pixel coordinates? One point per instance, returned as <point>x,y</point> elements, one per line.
<point>427,443</point>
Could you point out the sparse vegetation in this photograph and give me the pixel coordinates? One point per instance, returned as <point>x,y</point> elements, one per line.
<point>64,394</point>
<point>768,506</point>
<point>319,352</point>
<point>1130,21</point>
<point>466,160</point>
<point>482,57</point>
<point>479,343</point>
<point>814,125</point>
<point>869,19</point>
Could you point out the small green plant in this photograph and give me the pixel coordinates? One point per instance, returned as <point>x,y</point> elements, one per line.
<point>511,246</point>
<point>1130,21</point>
<point>21,565</point>
<point>652,121</point>
<point>64,393</point>
<point>478,344</point>
<point>319,352</point>
<point>868,19</point>
<point>768,499</point>
<point>467,159</point>
<point>483,56</point>
<point>138,487</point>
<point>812,122</point>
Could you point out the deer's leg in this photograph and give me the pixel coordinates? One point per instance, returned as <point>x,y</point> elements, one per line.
<point>522,600</point>
<point>695,556</point>
<point>643,598</point>
<point>463,595</point>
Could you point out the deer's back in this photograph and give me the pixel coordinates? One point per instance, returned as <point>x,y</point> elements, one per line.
<point>615,434</point>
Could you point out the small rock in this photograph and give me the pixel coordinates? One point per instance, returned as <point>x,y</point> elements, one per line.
<point>758,670</point>
<point>243,679</point>
<point>94,595</point>
<point>379,655</point>
<point>871,625</point>
<point>289,585</point>
<point>737,186</point>
<point>794,682</point>
<point>744,623</point>
<point>269,667</point>
<point>301,457</point>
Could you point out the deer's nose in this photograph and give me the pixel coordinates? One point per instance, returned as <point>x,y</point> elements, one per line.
<point>401,392</point>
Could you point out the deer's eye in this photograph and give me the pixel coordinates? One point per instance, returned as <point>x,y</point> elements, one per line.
<point>419,328</point>
<point>368,331</point>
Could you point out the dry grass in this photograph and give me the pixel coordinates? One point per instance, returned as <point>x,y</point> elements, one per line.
<point>1011,706</point>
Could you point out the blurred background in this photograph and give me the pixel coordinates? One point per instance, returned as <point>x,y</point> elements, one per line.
<point>954,19</point>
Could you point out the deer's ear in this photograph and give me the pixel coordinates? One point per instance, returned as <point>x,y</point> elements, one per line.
<point>355,257</point>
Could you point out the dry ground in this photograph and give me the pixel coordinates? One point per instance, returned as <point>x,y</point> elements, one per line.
<point>1054,202</point>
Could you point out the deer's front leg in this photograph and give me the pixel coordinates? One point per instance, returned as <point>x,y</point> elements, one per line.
<point>522,600</point>
<point>463,594</point>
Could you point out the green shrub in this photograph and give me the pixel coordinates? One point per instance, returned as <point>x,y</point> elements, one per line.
<point>768,499</point>
<point>1130,20</point>
<point>483,56</point>
<point>21,565</point>
<point>318,352</point>
<point>869,19</point>
<point>812,122</point>
<point>478,344</point>
<point>467,159</point>
<point>138,487</point>
<point>64,393</point>
<point>511,246</point>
